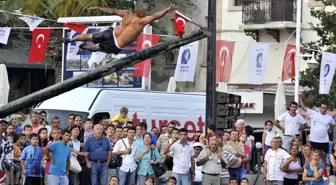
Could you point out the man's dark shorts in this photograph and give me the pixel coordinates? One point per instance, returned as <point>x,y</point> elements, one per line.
<point>106,41</point>
<point>320,146</point>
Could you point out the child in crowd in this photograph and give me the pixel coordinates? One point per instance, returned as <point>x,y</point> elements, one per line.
<point>31,162</point>
<point>11,167</point>
<point>17,157</point>
<point>88,133</point>
<point>267,136</point>
<point>122,116</point>
<point>22,141</point>
<point>244,181</point>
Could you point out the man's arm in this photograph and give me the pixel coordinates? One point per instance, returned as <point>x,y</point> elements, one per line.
<point>277,124</point>
<point>111,11</point>
<point>156,16</point>
<point>302,105</point>
<point>46,152</point>
<point>68,167</point>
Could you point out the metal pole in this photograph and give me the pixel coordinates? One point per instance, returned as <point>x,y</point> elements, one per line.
<point>211,66</point>
<point>297,56</point>
<point>109,68</point>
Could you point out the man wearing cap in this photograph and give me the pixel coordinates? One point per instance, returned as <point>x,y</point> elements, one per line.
<point>211,168</point>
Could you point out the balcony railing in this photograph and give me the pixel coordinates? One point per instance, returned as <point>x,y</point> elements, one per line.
<point>265,11</point>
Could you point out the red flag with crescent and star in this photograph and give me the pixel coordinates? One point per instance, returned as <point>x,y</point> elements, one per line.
<point>288,67</point>
<point>179,21</point>
<point>224,55</point>
<point>39,45</point>
<point>79,28</point>
<point>145,41</point>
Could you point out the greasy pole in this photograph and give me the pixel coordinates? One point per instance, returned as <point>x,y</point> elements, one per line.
<point>109,68</point>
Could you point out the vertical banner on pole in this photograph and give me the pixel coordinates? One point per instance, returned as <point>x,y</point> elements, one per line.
<point>186,63</point>
<point>224,55</point>
<point>258,63</point>
<point>327,72</point>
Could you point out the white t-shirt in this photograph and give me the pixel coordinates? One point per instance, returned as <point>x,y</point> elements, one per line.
<point>319,126</point>
<point>274,160</point>
<point>269,136</point>
<point>291,123</point>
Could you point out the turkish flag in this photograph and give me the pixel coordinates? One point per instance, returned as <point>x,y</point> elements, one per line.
<point>39,45</point>
<point>288,67</point>
<point>179,21</point>
<point>145,41</point>
<point>224,55</point>
<point>79,28</point>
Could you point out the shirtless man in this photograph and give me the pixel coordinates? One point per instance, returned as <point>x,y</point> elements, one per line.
<point>113,40</point>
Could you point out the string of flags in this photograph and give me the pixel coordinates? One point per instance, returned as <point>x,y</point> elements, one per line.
<point>187,58</point>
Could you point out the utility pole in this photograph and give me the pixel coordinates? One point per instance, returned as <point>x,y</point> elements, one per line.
<point>211,67</point>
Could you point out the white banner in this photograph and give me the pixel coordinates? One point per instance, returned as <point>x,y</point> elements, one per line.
<point>4,34</point>
<point>186,62</point>
<point>327,71</point>
<point>258,63</point>
<point>32,22</point>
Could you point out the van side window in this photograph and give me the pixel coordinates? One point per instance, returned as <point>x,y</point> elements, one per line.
<point>100,116</point>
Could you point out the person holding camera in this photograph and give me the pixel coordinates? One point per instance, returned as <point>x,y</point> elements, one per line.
<point>126,148</point>
<point>98,156</point>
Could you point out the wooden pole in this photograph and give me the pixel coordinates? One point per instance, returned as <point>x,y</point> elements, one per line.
<point>109,68</point>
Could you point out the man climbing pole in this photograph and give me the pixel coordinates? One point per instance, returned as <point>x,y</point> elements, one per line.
<point>113,40</point>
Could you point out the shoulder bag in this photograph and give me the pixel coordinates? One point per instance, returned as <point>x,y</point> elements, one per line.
<point>157,168</point>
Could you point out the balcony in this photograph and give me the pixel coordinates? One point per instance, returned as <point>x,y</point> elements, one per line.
<point>268,15</point>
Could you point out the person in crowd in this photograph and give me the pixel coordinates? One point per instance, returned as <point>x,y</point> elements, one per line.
<point>164,129</point>
<point>153,138</point>
<point>211,168</point>
<point>22,142</point>
<point>155,132</point>
<point>88,133</point>
<point>9,129</point>
<point>321,122</point>
<point>274,157</point>
<point>78,121</point>
<point>98,158</point>
<point>113,138</point>
<point>240,126</point>
<point>59,155</point>
<point>114,180</point>
<point>250,142</point>
<point>145,157</point>
<point>313,172</point>
<point>226,136</point>
<point>71,119</point>
<point>15,121</point>
<point>125,129</point>
<point>55,122</point>
<point>267,136</point>
<point>163,140</point>
<point>12,168</point>
<point>197,135</point>
<point>211,130</point>
<point>115,123</point>
<point>27,130</point>
<point>202,140</point>
<point>35,119</point>
<point>104,123</point>
<point>332,158</point>
<point>55,136</point>
<point>74,144</point>
<point>31,162</point>
<point>172,181</point>
<point>236,148</point>
<point>129,124</point>
<point>244,181</point>
<point>16,157</point>
<point>43,120</point>
<point>122,116</point>
<point>118,132</point>
<point>43,137</point>
<point>198,169</point>
<point>244,160</point>
<point>183,159</point>
<point>233,181</point>
<point>293,122</point>
<point>168,161</point>
<point>150,181</point>
<point>307,153</point>
<point>224,172</point>
<point>292,167</point>
<point>138,135</point>
<point>127,148</point>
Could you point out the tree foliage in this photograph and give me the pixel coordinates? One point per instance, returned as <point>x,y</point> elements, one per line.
<point>326,30</point>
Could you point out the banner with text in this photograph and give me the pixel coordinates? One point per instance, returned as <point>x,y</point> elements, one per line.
<point>258,63</point>
<point>327,71</point>
<point>4,34</point>
<point>186,63</point>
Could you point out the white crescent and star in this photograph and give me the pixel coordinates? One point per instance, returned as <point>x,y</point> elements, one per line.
<point>38,38</point>
<point>146,43</point>
<point>181,19</point>
<point>224,48</point>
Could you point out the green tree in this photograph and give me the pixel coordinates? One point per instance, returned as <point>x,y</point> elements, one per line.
<point>326,30</point>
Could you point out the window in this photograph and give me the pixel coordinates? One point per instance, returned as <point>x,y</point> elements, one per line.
<point>238,3</point>
<point>100,116</point>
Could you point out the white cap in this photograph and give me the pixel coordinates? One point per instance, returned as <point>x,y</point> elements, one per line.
<point>197,144</point>
<point>240,121</point>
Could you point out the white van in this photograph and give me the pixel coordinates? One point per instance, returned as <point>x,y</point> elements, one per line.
<point>154,108</point>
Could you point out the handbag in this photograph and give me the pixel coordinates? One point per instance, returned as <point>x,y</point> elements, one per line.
<point>157,168</point>
<point>74,164</point>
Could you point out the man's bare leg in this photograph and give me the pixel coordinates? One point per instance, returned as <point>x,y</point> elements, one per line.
<point>83,37</point>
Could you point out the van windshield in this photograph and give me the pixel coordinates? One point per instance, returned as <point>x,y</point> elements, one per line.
<point>62,114</point>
